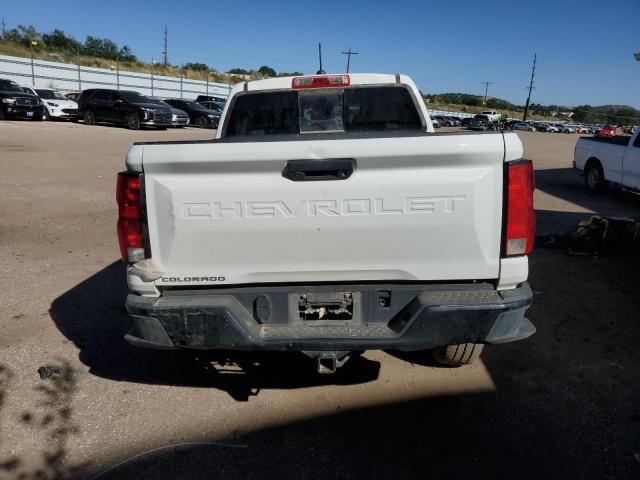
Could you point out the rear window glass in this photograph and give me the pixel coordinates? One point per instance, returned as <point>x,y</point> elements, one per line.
<point>323,110</point>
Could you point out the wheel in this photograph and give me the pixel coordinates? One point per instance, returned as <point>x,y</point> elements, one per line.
<point>46,115</point>
<point>201,122</point>
<point>89,118</point>
<point>1,114</point>
<point>458,355</point>
<point>133,122</point>
<point>594,175</point>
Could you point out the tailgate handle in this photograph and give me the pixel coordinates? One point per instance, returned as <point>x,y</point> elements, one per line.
<point>319,170</point>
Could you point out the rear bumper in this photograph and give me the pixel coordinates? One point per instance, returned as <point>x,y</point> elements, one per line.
<point>400,317</point>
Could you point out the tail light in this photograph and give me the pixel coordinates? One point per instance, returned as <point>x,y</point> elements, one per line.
<point>130,217</point>
<point>520,215</point>
<point>321,81</point>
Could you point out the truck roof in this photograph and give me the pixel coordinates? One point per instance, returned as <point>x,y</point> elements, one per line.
<point>282,83</point>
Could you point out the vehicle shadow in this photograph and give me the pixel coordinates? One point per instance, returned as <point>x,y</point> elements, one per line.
<point>564,405</point>
<point>92,315</point>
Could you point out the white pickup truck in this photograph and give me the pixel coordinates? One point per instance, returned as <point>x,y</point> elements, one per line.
<point>327,217</point>
<point>614,160</point>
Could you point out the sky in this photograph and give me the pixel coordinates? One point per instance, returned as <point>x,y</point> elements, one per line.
<point>585,48</point>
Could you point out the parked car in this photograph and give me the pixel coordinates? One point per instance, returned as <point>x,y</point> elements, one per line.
<point>122,107</point>
<point>211,98</point>
<point>551,128</point>
<point>56,105</point>
<point>465,122</point>
<point>609,160</point>
<point>608,131</point>
<point>249,244</point>
<point>523,126</point>
<point>16,103</point>
<point>199,116</point>
<point>479,122</point>
<point>215,106</point>
<point>581,129</point>
<point>444,121</point>
<point>435,122</point>
<point>566,128</point>
<point>179,118</point>
<point>492,115</point>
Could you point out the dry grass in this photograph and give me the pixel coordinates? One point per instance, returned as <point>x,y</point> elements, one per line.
<point>13,50</point>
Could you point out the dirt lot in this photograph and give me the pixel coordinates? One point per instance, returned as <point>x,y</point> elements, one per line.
<point>563,404</point>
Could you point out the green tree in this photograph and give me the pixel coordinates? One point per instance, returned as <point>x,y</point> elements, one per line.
<point>239,71</point>
<point>197,66</point>
<point>267,71</point>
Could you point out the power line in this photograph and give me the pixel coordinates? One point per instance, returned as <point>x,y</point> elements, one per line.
<point>348,54</point>
<point>486,90</point>
<point>165,57</point>
<point>533,74</point>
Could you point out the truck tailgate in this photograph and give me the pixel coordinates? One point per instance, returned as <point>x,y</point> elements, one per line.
<point>415,208</point>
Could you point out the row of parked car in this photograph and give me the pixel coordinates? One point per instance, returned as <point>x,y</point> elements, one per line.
<point>101,105</point>
<point>491,120</point>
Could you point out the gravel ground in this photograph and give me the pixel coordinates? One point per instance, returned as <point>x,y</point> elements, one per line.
<point>562,404</point>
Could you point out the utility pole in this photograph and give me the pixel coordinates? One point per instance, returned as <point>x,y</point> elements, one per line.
<point>32,43</point>
<point>320,71</point>
<point>486,91</point>
<point>533,74</point>
<point>348,54</point>
<point>165,57</point>
<point>153,62</point>
<point>4,27</point>
<point>78,63</point>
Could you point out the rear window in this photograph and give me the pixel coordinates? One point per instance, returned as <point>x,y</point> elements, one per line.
<point>323,110</point>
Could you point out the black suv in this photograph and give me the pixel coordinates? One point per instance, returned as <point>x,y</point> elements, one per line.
<point>122,107</point>
<point>15,103</point>
<point>198,115</point>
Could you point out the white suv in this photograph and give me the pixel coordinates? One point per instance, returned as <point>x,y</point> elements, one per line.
<point>56,104</point>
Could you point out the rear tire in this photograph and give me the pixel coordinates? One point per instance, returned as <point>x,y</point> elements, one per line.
<point>46,115</point>
<point>458,355</point>
<point>201,122</point>
<point>89,118</point>
<point>594,176</point>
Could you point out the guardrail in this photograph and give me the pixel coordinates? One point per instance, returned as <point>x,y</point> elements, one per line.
<point>69,78</point>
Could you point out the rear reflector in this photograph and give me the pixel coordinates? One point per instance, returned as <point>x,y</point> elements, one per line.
<point>521,217</point>
<point>130,217</point>
<point>321,81</point>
